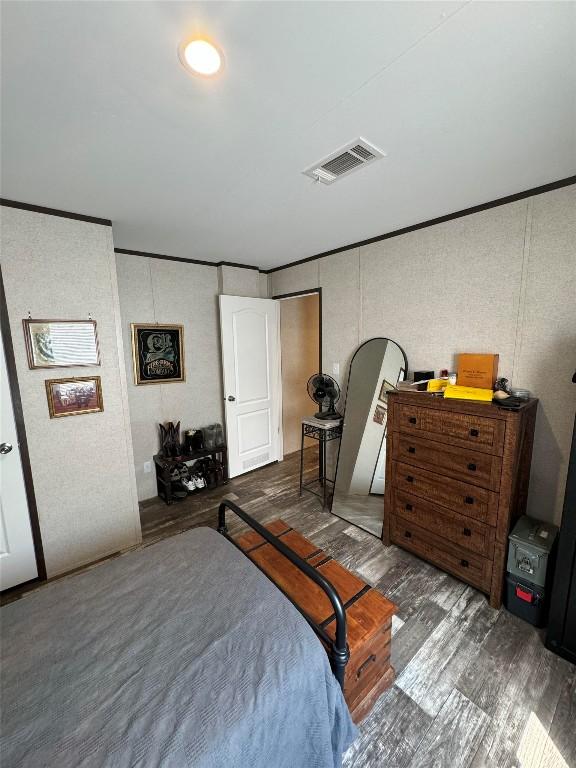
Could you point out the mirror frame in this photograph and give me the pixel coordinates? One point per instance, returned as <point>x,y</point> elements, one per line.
<point>374,338</point>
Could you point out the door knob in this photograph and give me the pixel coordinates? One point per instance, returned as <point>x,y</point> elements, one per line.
<point>5,448</point>
<point>231,398</point>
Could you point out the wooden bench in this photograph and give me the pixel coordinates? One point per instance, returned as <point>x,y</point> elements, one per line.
<point>368,613</point>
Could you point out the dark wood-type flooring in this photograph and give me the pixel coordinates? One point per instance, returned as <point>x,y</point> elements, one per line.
<point>474,686</point>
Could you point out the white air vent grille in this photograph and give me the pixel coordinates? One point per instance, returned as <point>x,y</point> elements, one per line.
<point>345,160</point>
<point>342,163</point>
<point>363,152</point>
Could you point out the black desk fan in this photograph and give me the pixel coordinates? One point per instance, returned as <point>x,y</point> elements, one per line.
<point>325,392</point>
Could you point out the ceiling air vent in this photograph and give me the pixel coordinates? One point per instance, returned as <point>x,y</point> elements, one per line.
<point>345,160</point>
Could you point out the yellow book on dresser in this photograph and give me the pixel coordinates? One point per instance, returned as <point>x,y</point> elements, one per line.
<point>457,392</point>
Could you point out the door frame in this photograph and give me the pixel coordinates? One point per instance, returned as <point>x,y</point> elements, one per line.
<point>22,440</point>
<point>296,295</point>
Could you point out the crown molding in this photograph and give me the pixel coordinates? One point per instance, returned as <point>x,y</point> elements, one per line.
<point>432,222</point>
<point>149,255</point>
<point>54,212</point>
<point>568,181</point>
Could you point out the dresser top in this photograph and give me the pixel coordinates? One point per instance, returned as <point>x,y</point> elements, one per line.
<point>475,407</point>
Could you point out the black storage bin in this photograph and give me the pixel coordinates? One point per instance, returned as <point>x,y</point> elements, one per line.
<point>526,600</point>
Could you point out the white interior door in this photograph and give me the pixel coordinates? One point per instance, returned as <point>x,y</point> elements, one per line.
<point>251,365</point>
<point>17,556</point>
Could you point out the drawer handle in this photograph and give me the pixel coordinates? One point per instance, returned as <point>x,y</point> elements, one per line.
<point>472,467</point>
<point>412,419</point>
<point>407,535</point>
<point>473,433</point>
<point>409,507</point>
<point>411,449</point>
<point>469,500</point>
<point>464,563</point>
<point>467,532</point>
<point>409,479</point>
<point>363,666</point>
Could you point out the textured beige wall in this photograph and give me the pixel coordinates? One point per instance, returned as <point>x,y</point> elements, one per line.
<point>299,278</point>
<point>299,334</point>
<point>501,280</point>
<point>162,291</point>
<point>234,281</point>
<point>339,277</point>
<point>263,283</point>
<point>546,345</point>
<point>82,465</point>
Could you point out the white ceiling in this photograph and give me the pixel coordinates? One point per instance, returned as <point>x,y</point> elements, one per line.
<point>471,102</point>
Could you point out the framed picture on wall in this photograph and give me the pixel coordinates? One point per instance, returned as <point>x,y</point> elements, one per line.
<point>379,415</point>
<point>384,389</point>
<point>61,343</point>
<point>73,397</point>
<point>157,353</point>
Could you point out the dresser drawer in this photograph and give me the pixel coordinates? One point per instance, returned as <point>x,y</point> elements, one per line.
<point>469,500</point>
<point>469,465</point>
<point>471,568</point>
<point>463,429</point>
<point>469,534</point>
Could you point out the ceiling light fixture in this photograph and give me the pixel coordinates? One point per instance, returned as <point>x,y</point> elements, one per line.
<point>201,57</point>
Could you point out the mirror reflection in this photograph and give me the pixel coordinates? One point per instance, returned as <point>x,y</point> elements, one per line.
<point>377,366</point>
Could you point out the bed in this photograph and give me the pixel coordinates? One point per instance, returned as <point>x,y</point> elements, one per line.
<point>179,654</point>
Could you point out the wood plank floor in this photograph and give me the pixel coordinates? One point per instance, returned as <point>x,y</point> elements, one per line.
<point>474,687</point>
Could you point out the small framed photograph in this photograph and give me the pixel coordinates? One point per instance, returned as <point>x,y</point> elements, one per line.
<point>157,353</point>
<point>379,415</point>
<point>384,389</point>
<point>72,397</point>
<point>61,343</point>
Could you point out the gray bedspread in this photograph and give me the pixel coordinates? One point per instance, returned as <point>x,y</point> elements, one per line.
<point>180,654</point>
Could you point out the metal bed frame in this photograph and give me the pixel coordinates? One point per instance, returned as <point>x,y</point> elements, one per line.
<point>338,651</point>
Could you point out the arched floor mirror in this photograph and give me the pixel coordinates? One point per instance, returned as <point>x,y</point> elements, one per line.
<point>377,366</point>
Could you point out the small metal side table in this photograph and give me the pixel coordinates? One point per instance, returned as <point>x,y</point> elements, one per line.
<point>324,431</point>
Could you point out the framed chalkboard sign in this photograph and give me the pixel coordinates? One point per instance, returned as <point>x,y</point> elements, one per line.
<point>158,353</point>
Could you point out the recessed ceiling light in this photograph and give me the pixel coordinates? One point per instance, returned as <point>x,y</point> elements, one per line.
<point>201,57</point>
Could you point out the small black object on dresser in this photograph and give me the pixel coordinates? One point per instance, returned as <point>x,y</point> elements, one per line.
<point>561,637</point>
<point>422,376</point>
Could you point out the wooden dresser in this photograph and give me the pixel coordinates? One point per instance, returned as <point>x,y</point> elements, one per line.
<point>457,475</point>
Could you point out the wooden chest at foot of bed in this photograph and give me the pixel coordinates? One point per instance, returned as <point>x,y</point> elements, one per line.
<point>368,613</point>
